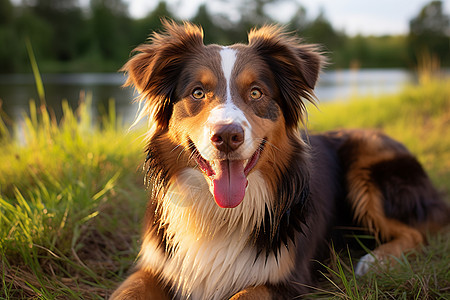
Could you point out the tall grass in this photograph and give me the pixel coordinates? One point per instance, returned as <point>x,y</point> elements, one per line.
<point>67,190</point>
<point>36,73</point>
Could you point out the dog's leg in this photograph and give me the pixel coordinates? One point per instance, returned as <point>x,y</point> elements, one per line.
<point>140,285</point>
<point>390,193</point>
<point>367,201</point>
<point>404,238</point>
<point>254,293</point>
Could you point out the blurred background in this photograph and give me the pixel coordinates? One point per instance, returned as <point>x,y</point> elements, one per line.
<point>374,46</point>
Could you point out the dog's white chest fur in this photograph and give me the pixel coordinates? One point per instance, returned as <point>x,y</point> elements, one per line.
<point>213,258</point>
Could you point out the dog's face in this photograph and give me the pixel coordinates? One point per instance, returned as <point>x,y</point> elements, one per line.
<point>224,106</point>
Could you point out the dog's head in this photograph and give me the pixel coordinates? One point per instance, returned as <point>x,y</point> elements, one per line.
<point>224,106</point>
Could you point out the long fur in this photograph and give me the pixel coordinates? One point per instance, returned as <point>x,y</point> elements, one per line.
<point>298,187</point>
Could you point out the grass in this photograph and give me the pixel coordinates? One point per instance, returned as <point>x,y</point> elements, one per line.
<point>71,199</point>
<point>70,203</point>
<point>423,274</point>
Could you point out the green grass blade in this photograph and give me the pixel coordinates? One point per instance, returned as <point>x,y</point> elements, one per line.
<point>36,74</point>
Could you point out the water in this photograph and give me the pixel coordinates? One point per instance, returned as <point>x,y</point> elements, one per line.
<point>16,90</point>
<point>344,84</point>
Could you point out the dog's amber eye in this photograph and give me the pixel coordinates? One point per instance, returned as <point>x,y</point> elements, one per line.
<point>255,94</point>
<point>198,94</point>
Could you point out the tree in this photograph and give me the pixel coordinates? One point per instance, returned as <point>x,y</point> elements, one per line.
<point>299,21</point>
<point>66,20</point>
<point>7,37</point>
<point>152,22</point>
<point>213,32</point>
<point>110,28</point>
<point>429,33</point>
<point>6,12</point>
<point>321,31</point>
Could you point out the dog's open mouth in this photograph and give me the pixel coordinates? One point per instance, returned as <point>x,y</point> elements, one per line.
<point>228,178</point>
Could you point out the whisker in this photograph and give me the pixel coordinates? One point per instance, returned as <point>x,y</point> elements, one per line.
<point>272,145</point>
<point>183,150</point>
<point>193,152</point>
<point>174,148</point>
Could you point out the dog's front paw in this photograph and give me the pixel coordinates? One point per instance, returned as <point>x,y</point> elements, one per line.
<point>365,264</point>
<point>254,293</point>
<point>140,286</point>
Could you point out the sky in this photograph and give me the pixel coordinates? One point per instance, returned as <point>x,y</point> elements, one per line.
<point>367,17</point>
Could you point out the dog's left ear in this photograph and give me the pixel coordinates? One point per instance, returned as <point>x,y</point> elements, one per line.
<point>296,67</point>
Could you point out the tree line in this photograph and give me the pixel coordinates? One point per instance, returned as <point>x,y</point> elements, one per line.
<point>67,37</point>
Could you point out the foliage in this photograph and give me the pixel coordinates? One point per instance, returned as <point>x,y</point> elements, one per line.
<point>65,20</point>
<point>430,33</point>
<point>110,28</point>
<point>99,37</point>
<point>143,27</point>
<point>373,52</point>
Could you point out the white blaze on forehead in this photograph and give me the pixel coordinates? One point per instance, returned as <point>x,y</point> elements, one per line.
<point>227,113</point>
<point>228,57</point>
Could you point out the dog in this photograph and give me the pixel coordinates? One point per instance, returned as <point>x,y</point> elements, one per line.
<point>242,200</point>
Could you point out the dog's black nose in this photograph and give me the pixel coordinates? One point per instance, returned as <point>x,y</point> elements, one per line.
<point>227,137</point>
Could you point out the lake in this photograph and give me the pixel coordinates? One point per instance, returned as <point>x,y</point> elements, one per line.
<point>17,89</point>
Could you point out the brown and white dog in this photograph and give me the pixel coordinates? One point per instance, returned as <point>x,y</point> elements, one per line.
<point>241,202</point>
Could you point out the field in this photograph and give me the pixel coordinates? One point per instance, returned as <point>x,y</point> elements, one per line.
<point>72,199</point>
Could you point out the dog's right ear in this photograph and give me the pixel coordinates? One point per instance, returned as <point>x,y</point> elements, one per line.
<point>155,69</point>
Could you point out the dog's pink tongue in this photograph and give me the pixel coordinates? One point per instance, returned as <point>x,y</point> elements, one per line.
<point>229,183</point>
